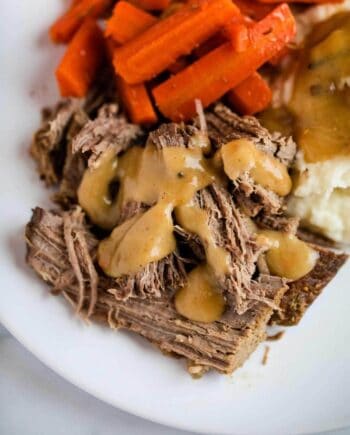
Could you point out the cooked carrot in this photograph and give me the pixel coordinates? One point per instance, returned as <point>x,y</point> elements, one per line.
<point>238,34</point>
<point>127,21</point>
<point>213,75</point>
<point>253,9</point>
<point>268,25</point>
<point>137,102</point>
<point>64,27</point>
<point>251,96</point>
<point>81,61</point>
<point>159,46</point>
<point>151,5</point>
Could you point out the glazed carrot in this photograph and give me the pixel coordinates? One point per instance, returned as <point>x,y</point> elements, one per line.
<point>159,46</point>
<point>127,21</point>
<point>81,61</point>
<point>213,75</point>
<point>64,27</point>
<point>136,102</point>
<point>254,9</point>
<point>251,96</point>
<point>151,5</point>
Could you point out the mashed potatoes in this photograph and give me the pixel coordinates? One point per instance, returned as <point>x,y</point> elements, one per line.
<point>322,197</point>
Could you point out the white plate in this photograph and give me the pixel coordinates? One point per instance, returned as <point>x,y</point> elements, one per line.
<point>305,386</point>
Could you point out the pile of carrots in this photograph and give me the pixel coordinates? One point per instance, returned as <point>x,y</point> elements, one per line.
<point>166,54</point>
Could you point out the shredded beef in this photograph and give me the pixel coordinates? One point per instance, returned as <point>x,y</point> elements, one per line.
<point>254,198</point>
<point>74,165</point>
<point>231,233</point>
<point>173,135</point>
<point>66,263</point>
<point>48,145</point>
<point>228,226</point>
<point>223,126</point>
<point>108,129</point>
<point>277,222</point>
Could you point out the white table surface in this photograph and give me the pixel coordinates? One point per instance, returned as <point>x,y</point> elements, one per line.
<point>36,401</point>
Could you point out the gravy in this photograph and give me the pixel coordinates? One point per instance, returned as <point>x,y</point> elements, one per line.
<point>242,155</point>
<point>287,256</point>
<point>321,98</point>
<point>200,300</point>
<point>93,192</point>
<point>138,241</point>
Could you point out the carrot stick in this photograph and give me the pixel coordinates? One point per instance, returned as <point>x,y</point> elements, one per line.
<point>159,46</point>
<point>136,102</point>
<point>64,27</point>
<point>81,61</point>
<point>213,75</point>
<point>127,21</point>
<point>251,96</point>
<point>253,8</point>
<point>151,5</point>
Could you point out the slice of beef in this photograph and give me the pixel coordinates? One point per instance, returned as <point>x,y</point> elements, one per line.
<point>223,126</point>
<point>302,293</point>
<point>62,251</point>
<point>108,129</point>
<point>48,145</point>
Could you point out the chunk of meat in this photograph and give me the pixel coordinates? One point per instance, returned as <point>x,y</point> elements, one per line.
<point>222,345</point>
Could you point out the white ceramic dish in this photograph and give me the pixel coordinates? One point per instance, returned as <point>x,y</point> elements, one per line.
<point>305,386</point>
